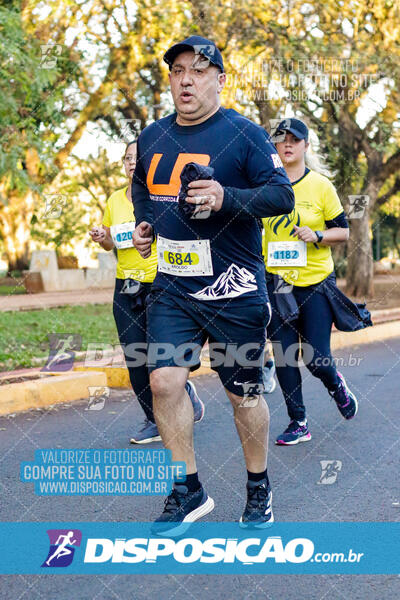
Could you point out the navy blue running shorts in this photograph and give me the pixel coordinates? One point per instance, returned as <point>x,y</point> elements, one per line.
<point>177,329</point>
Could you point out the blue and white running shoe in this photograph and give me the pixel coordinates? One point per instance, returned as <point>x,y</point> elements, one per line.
<point>269,381</point>
<point>258,512</point>
<point>198,405</point>
<point>147,432</point>
<point>182,508</point>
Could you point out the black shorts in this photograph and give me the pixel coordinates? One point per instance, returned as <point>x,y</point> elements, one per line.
<point>177,328</point>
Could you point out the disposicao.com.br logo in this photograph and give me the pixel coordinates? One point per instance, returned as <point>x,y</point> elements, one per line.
<point>116,547</point>
<point>214,548</point>
<point>246,551</point>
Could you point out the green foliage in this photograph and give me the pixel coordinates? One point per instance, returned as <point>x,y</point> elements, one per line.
<point>9,290</point>
<point>388,236</point>
<point>387,218</point>
<point>78,201</point>
<point>58,230</point>
<point>96,176</point>
<point>30,96</point>
<point>23,334</point>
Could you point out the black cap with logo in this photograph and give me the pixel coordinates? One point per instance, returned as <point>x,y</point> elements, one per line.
<point>201,46</point>
<point>295,126</point>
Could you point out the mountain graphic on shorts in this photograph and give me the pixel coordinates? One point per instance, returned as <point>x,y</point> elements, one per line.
<point>234,282</point>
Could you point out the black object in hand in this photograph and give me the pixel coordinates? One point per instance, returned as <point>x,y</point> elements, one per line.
<point>191,172</point>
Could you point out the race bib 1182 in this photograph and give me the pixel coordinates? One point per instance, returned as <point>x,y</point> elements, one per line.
<point>287,254</point>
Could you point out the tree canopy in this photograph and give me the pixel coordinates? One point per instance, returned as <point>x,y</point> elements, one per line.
<point>70,67</point>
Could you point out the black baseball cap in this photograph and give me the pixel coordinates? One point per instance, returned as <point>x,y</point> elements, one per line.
<point>200,45</point>
<point>295,126</point>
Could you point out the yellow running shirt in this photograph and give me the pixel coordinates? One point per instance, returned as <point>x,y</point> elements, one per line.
<point>130,264</point>
<point>316,201</point>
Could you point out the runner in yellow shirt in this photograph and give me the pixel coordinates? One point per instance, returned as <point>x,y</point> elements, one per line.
<point>301,282</point>
<point>132,286</point>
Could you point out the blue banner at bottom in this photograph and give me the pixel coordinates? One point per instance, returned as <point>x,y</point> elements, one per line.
<point>212,548</point>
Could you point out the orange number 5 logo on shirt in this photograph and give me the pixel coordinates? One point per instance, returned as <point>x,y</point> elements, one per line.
<point>172,188</point>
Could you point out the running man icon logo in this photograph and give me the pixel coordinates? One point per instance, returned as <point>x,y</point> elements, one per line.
<point>285,285</point>
<point>62,351</point>
<point>50,53</point>
<point>203,54</point>
<point>136,274</point>
<point>330,471</point>
<point>62,542</point>
<point>357,206</point>
<point>207,50</point>
<point>278,135</point>
<point>129,129</point>
<point>98,395</point>
<point>251,393</point>
<point>54,205</point>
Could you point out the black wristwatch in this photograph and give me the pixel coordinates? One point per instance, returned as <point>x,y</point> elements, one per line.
<point>320,236</point>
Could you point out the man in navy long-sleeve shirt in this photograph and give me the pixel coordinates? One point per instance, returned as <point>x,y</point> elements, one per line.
<point>210,282</point>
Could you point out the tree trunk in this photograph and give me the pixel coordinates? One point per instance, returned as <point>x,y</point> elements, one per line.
<point>18,264</point>
<point>360,267</point>
<point>15,219</point>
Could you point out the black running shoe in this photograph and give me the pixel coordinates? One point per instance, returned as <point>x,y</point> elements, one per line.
<point>345,399</point>
<point>294,434</point>
<point>258,512</point>
<point>180,510</point>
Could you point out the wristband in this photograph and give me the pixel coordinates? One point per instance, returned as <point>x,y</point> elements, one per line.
<point>320,236</point>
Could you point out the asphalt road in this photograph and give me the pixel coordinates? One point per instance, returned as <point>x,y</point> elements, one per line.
<point>367,487</point>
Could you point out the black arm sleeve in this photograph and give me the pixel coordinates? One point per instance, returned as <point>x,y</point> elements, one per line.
<point>339,221</point>
<point>269,192</point>
<point>264,201</point>
<point>142,204</point>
